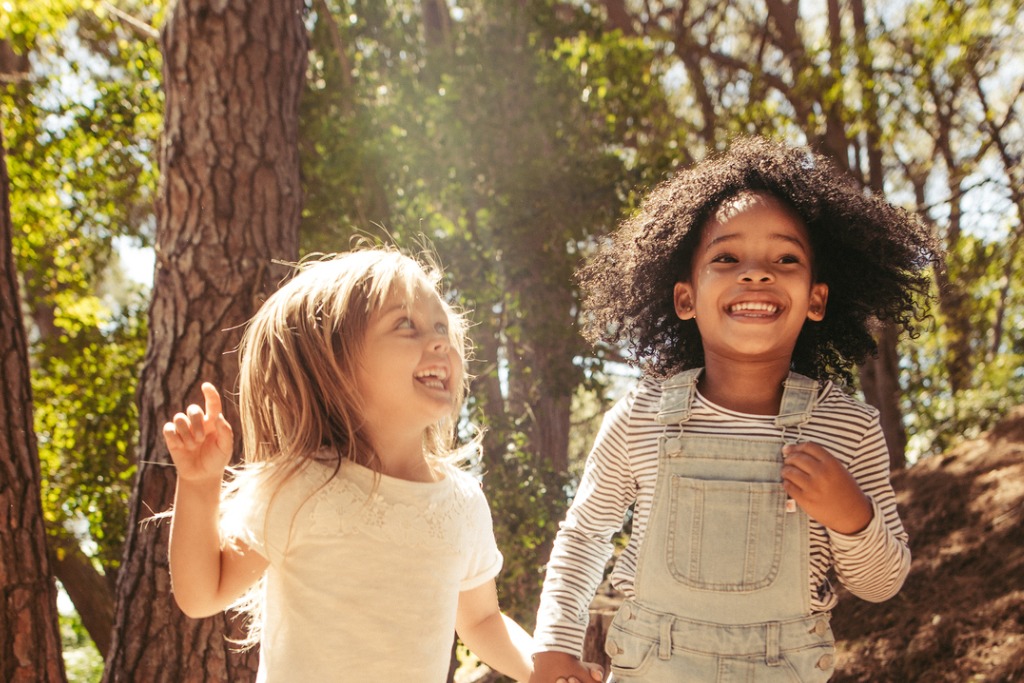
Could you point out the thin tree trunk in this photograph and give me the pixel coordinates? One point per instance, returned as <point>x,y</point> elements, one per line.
<point>882,388</point>
<point>90,591</point>
<point>30,649</point>
<point>879,380</point>
<point>229,203</point>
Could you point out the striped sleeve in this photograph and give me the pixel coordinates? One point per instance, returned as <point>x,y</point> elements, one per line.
<point>583,544</point>
<point>622,470</point>
<point>874,563</point>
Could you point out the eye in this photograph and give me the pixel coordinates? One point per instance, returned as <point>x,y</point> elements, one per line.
<point>790,258</point>
<point>724,258</point>
<point>441,328</point>
<point>405,323</point>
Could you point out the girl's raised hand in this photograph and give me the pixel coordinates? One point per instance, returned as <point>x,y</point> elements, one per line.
<point>200,440</point>
<point>824,488</point>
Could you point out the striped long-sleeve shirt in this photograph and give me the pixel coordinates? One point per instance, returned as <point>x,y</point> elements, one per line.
<point>622,469</point>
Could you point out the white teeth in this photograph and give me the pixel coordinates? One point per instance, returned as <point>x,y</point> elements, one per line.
<point>758,306</point>
<point>434,377</point>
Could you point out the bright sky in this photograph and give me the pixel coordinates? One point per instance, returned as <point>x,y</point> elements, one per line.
<point>137,262</point>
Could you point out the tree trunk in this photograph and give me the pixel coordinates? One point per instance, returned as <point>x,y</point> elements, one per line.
<point>879,380</point>
<point>29,635</point>
<point>229,203</point>
<point>91,592</point>
<point>882,387</point>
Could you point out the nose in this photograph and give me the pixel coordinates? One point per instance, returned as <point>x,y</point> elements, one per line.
<point>757,273</point>
<point>440,342</point>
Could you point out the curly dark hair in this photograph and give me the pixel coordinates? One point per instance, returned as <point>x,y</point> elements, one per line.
<point>875,258</point>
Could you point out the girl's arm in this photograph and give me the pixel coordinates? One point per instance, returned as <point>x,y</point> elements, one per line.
<point>206,578</point>
<point>493,637</point>
<point>583,543</point>
<point>858,508</point>
<point>499,641</point>
<point>825,489</point>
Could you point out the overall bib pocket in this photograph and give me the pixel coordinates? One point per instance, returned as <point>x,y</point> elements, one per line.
<point>743,522</point>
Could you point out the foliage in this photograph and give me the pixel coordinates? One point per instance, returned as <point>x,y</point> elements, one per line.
<point>625,86</point>
<point>85,407</point>
<point>82,662</point>
<point>938,417</point>
<point>81,132</point>
<point>529,499</point>
<point>957,99</point>
<point>510,137</point>
<point>479,141</point>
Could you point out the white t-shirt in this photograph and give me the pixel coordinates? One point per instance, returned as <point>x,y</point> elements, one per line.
<point>365,587</point>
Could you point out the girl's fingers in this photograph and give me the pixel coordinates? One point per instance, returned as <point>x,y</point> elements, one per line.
<point>796,465</point>
<point>189,427</point>
<point>183,428</point>
<point>224,434</point>
<point>795,479</point>
<point>171,437</point>
<point>196,417</point>
<point>807,448</point>
<point>212,396</point>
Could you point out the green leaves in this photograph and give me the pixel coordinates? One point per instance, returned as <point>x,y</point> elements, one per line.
<point>83,383</point>
<point>81,133</point>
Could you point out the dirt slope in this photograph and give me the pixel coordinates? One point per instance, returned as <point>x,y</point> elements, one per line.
<point>960,615</point>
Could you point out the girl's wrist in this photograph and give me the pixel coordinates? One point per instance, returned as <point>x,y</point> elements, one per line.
<point>201,489</point>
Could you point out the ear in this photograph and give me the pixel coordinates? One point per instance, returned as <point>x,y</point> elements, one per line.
<point>818,302</point>
<point>682,297</point>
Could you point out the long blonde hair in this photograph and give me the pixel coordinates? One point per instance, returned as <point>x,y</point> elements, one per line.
<point>297,392</point>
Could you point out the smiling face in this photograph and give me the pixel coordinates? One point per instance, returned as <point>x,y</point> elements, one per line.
<point>751,285</point>
<point>409,371</point>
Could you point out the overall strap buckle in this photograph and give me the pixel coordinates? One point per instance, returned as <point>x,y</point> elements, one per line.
<point>799,396</point>
<point>677,396</point>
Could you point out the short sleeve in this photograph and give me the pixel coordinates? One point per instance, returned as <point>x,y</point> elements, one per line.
<point>261,514</point>
<point>484,559</point>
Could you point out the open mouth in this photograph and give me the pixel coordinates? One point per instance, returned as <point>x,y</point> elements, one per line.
<point>433,378</point>
<point>755,308</point>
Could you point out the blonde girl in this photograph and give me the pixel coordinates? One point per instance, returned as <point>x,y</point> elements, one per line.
<point>349,538</point>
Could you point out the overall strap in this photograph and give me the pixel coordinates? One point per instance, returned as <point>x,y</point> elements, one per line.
<point>799,396</point>
<point>677,396</point>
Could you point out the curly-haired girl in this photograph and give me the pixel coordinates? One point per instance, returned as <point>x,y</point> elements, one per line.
<point>755,477</point>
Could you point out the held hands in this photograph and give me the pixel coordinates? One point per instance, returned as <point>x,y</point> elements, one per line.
<point>559,667</point>
<point>824,488</point>
<point>200,441</point>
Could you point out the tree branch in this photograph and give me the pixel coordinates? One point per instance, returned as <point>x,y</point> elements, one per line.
<point>139,27</point>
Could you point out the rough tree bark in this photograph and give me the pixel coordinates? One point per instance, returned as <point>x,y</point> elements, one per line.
<point>29,636</point>
<point>229,203</point>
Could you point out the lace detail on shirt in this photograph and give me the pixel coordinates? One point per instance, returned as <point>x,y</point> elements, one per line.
<point>342,508</point>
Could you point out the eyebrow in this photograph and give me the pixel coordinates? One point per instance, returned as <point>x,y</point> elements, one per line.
<point>776,236</point>
<point>404,308</point>
<point>393,308</point>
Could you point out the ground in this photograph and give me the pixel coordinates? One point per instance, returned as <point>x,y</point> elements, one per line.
<point>960,615</point>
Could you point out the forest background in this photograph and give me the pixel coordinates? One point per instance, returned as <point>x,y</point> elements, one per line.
<point>163,158</point>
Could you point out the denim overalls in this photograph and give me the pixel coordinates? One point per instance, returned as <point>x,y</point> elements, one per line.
<point>722,576</point>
